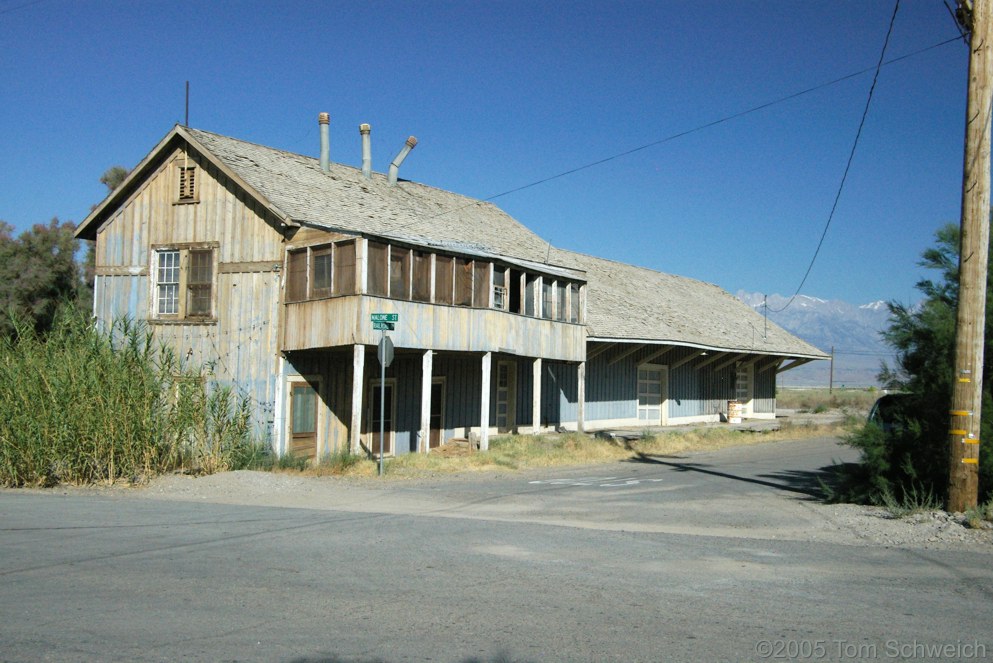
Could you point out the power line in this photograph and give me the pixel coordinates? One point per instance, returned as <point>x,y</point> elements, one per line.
<point>701,127</point>
<point>21,6</point>
<point>851,157</point>
<point>866,353</point>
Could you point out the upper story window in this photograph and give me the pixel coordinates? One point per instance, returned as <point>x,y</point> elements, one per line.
<point>412,274</point>
<point>377,274</point>
<point>421,276</point>
<point>463,282</point>
<point>314,272</point>
<point>547,299</point>
<point>560,300</point>
<point>200,284</point>
<point>167,283</point>
<point>444,280</point>
<point>399,272</point>
<point>183,282</point>
<point>575,303</point>
<point>500,298</point>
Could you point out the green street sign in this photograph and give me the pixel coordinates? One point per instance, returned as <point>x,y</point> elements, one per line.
<point>385,317</point>
<point>385,326</point>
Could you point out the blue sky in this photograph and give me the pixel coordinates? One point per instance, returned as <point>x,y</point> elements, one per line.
<point>502,94</point>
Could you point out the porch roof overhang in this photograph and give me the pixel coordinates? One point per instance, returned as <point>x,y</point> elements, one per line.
<point>767,352</point>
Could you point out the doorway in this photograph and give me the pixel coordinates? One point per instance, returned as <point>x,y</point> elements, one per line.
<point>389,416</point>
<point>506,394</point>
<point>436,435</point>
<point>653,394</point>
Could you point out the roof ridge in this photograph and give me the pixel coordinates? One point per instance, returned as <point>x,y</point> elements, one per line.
<point>633,266</point>
<point>477,201</point>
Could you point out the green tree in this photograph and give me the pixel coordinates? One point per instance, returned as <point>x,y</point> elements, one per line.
<point>911,459</point>
<point>113,176</point>
<point>38,273</point>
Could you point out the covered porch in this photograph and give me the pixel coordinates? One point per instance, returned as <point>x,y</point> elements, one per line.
<point>332,399</point>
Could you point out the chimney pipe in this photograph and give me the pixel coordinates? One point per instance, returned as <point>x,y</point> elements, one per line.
<point>365,129</point>
<point>404,151</point>
<point>323,120</point>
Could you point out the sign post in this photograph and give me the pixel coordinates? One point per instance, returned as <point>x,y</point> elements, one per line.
<point>385,322</point>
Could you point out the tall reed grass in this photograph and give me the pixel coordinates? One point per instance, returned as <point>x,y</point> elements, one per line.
<point>82,406</point>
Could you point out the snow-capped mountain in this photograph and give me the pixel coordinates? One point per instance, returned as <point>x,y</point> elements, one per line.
<point>852,330</point>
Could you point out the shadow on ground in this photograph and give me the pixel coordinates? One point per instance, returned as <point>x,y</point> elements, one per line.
<point>818,484</point>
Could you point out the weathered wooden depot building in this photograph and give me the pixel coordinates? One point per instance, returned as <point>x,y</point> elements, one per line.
<point>269,265</point>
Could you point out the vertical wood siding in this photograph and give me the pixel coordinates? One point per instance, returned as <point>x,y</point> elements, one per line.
<point>559,393</point>
<point>764,400</point>
<point>463,375</point>
<point>241,347</point>
<point>611,388</point>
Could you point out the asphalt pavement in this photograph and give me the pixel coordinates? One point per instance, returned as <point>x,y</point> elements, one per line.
<point>662,559</point>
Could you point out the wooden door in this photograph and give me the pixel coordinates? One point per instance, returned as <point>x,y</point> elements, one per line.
<point>303,420</point>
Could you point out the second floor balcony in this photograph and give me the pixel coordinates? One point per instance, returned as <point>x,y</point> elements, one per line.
<point>444,302</point>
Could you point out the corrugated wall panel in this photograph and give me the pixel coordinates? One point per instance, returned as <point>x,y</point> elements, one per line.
<point>611,388</point>
<point>764,401</point>
<point>462,374</point>
<point>559,393</point>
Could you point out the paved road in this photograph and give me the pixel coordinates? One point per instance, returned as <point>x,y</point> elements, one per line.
<point>565,565</point>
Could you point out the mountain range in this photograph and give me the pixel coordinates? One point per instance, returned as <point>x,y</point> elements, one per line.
<point>853,331</point>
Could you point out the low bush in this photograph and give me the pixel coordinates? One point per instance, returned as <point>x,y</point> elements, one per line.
<point>906,463</point>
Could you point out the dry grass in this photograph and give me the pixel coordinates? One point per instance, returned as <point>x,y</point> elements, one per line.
<point>819,400</point>
<point>521,452</point>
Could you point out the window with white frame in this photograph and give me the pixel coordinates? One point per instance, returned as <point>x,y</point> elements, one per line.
<point>183,284</point>
<point>167,282</point>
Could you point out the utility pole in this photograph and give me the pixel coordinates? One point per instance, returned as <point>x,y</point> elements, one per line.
<point>976,16</point>
<point>831,376</point>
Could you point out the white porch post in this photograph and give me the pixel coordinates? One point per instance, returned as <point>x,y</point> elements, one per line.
<point>358,368</point>
<point>581,397</point>
<point>424,444</point>
<point>536,396</point>
<point>484,404</point>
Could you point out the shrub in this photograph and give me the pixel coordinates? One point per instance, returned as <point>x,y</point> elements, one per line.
<point>81,406</point>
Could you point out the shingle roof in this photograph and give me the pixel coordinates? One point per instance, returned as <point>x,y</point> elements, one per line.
<point>344,199</point>
<point>624,302</point>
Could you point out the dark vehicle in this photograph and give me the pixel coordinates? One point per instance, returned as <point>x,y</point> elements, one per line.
<point>891,411</point>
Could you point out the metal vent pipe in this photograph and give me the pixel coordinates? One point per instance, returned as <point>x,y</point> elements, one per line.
<point>365,130</point>
<point>323,120</point>
<point>404,151</point>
